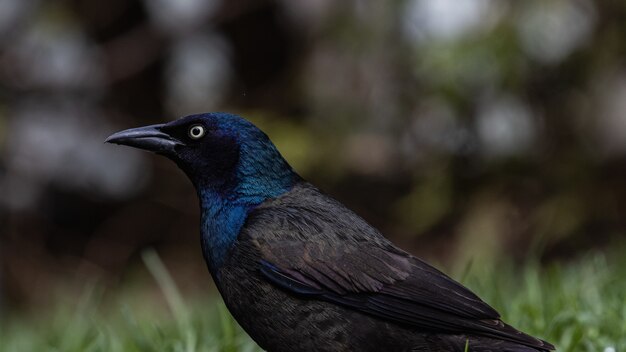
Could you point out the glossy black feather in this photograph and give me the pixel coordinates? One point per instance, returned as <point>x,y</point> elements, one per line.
<point>314,247</point>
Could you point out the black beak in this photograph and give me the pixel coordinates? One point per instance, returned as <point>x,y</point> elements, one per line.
<point>149,138</point>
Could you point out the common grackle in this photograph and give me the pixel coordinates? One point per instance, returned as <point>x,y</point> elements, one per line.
<point>301,272</point>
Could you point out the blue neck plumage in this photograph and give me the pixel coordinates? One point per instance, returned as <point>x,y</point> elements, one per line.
<point>221,222</point>
<point>225,212</point>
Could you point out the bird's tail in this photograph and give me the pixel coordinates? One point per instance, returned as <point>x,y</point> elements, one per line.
<point>485,344</point>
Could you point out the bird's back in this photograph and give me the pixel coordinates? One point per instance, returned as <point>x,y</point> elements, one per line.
<point>318,277</point>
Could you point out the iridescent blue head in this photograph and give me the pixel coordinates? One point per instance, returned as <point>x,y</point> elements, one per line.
<point>233,165</point>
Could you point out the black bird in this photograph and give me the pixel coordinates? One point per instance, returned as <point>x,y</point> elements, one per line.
<point>301,272</point>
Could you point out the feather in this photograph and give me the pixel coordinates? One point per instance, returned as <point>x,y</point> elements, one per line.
<point>339,258</point>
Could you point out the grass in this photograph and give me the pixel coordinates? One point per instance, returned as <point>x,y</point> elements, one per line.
<point>579,307</point>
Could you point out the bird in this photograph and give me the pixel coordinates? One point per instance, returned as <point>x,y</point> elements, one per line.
<point>297,269</point>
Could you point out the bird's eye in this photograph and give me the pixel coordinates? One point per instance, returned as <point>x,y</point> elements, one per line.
<point>196,132</point>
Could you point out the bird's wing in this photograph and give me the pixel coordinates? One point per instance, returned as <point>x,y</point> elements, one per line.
<point>321,250</point>
<point>390,285</point>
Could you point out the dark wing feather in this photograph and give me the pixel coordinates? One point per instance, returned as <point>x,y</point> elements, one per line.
<point>314,247</point>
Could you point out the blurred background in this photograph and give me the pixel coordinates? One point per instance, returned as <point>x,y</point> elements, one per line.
<point>475,130</point>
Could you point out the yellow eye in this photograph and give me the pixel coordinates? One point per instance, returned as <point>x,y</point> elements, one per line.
<point>196,131</point>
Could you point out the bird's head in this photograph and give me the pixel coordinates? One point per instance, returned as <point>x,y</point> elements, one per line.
<point>223,154</point>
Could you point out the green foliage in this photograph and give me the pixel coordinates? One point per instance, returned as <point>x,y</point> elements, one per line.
<point>91,326</point>
<point>578,306</point>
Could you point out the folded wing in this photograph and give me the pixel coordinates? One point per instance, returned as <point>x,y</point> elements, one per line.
<point>335,256</point>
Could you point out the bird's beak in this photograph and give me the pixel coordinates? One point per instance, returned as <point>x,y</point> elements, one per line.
<point>150,138</point>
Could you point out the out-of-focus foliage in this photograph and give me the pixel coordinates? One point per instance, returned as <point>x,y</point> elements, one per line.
<point>464,130</point>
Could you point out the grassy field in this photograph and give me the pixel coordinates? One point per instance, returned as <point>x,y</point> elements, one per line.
<point>579,306</point>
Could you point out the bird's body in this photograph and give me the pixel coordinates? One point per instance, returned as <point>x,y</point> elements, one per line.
<point>301,272</point>
<point>307,232</point>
